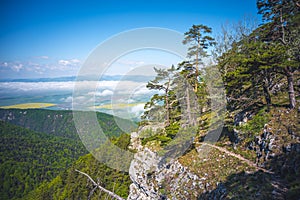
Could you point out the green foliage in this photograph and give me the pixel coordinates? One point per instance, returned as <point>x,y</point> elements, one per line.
<point>160,138</point>
<point>163,139</point>
<point>256,124</point>
<point>172,129</point>
<point>29,158</point>
<point>259,62</point>
<point>72,185</point>
<point>123,141</point>
<point>58,122</point>
<point>158,108</point>
<point>199,39</point>
<point>148,139</point>
<point>147,133</point>
<point>167,136</point>
<point>282,28</point>
<point>181,86</point>
<point>69,184</point>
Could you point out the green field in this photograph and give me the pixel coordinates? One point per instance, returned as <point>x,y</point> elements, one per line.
<point>29,105</point>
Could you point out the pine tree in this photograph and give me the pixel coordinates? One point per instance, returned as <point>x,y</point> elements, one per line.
<point>199,40</point>
<point>162,82</point>
<point>282,28</point>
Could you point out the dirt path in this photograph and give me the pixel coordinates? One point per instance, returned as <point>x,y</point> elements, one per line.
<point>249,162</point>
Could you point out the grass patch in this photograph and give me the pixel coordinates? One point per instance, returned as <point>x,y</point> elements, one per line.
<point>214,166</point>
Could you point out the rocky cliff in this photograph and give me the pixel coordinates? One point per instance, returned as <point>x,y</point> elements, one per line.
<point>264,165</point>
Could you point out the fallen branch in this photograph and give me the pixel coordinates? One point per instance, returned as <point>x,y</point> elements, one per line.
<point>113,195</point>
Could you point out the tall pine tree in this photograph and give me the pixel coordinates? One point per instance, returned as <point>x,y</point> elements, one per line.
<point>282,27</point>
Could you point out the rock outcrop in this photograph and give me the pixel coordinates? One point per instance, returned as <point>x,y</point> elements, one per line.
<point>263,166</point>
<point>151,181</point>
<point>154,181</point>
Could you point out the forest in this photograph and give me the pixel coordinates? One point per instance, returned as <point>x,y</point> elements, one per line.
<point>38,145</point>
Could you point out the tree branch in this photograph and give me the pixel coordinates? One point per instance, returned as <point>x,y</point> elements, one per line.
<point>113,195</point>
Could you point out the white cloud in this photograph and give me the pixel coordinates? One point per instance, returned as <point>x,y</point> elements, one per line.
<point>75,60</point>
<point>138,109</point>
<point>130,101</point>
<point>39,67</point>
<point>128,87</point>
<point>85,94</point>
<point>42,57</point>
<point>130,62</point>
<point>81,86</point>
<point>4,64</point>
<point>35,67</point>
<point>67,99</point>
<point>36,86</point>
<point>142,91</point>
<point>103,93</point>
<point>107,84</point>
<point>13,66</point>
<point>70,62</point>
<point>17,67</point>
<point>64,62</point>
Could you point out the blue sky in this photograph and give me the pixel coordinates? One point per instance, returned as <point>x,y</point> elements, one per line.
<point>53,38</point>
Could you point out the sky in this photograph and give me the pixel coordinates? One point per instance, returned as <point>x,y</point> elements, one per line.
<point>53,38</point>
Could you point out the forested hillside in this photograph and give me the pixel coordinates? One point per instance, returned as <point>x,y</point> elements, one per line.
<point>45,145</point>
<point>56,122</point>
<point>29,158</point>
<point>72,185</point>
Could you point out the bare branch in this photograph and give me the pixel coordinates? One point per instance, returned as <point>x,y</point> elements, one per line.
<point>92,192</point>
<point>113,195</point>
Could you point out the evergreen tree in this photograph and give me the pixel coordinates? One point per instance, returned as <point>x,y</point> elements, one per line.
<point>282,28</point>
<point>162,82</point>
<point>199,40</point>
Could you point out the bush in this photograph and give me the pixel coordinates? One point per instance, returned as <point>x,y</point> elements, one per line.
<point>172,129</point>
<point>256,123</point>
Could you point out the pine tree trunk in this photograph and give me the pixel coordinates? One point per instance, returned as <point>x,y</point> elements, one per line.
<point>267,96</point>
<point>197,72</point>
<point>167,105</point>
<point>188,104</point>
<point>167,111</point>
<point>291,91</point>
